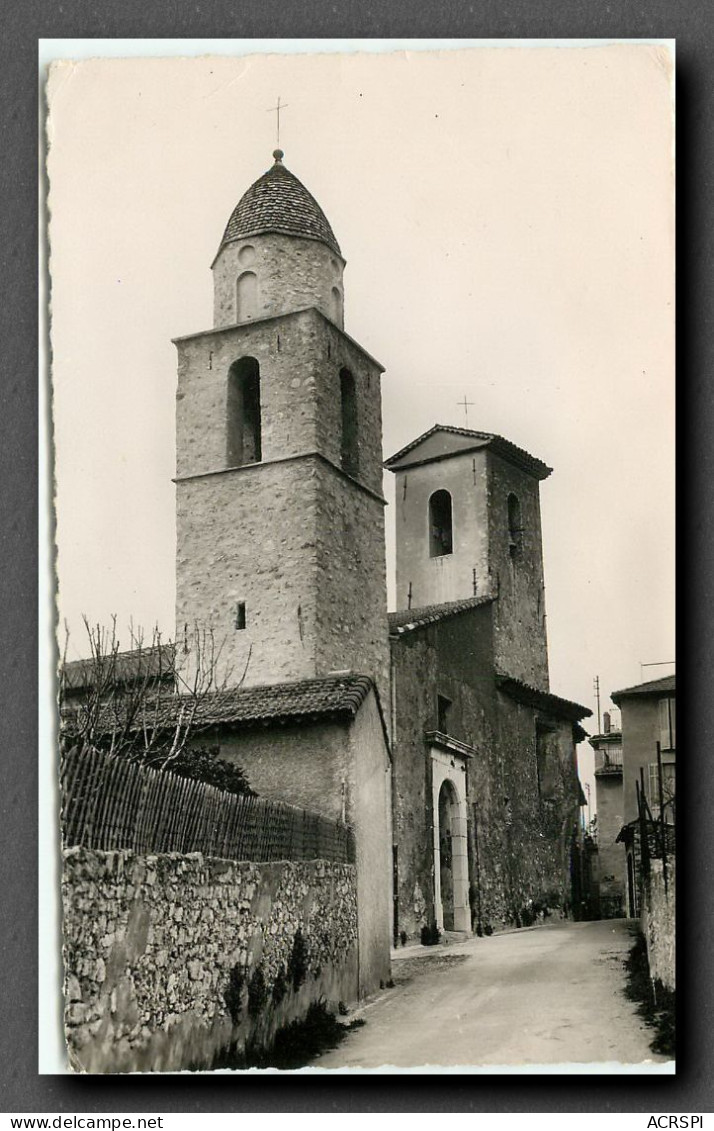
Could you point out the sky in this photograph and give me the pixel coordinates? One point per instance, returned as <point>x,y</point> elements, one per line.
<point>506,214</point>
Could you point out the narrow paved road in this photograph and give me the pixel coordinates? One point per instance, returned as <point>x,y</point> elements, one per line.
<point>552,994</point>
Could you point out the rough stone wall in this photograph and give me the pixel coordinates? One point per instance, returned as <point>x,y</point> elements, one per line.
<point>520,643</point>
<point>287,350</point>
<point>658,923</point>
<point>351,628</point>
<point>448,577</point>
<point>340,771</point>
<point>292,274</point>
<point>153,945</point>
<point>611,856</point>
<point>300,356</point>
<point>249,536</point>
<point>539,822</point>
<point>450,658</point>
<point>298,541</point>
<point>519,843</point>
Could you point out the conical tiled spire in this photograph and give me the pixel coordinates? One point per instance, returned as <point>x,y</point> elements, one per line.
<point>278,202</point>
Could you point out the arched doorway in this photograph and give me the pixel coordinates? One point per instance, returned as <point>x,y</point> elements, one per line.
<point>451,862</point>
<point>448,819</point>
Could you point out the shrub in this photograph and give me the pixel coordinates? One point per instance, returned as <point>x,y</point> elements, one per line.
<point>430,935</point>
<point>280,985</point>
<point>297,965</point>
<point>257,992</point>
<point>233,994</point>
<point>203,763</point>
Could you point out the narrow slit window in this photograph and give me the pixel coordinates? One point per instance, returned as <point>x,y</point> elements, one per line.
<point>240,615</point>
<point>441,534</point>
<point>243,439</point>
<point>348,400</point>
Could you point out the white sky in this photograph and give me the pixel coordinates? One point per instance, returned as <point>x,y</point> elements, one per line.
<point>507,219</point>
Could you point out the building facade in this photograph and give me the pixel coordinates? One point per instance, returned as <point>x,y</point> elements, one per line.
<point>649,767</point>
<point>609,799</point>
<point>486,795</point>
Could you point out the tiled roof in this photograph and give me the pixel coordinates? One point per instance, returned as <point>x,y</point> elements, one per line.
<point>534,697</point>
<point>335,697</point>
<point>498,444</point>
<point>278,202</point>
<point>123,667</point>
<point>328,697</point>
<point>408,619</point>
<point>654,687</point>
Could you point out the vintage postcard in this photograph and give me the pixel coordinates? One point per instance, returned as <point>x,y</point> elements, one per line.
<point>362,379</point>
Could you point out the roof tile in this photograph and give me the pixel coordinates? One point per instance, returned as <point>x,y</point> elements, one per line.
<point>279,202</point>
<point>408,619</point>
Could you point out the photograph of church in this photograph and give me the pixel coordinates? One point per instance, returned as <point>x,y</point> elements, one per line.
<point>381,671</point>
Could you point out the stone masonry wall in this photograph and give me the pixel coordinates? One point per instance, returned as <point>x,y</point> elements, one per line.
<point>658,923</point>
<point>170,959</point>
<point>351,601</point>
<point>449,577</point>
<point>300,356</point>
<point>521,648</point>
<point>519,840</point>
<point>292,273</point>
<point>249,536</point>
<point>294,538</point>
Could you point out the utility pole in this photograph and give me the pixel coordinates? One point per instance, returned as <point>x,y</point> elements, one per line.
<point>596,689</point>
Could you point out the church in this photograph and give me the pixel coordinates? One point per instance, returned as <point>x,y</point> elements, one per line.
<point>431,730</point>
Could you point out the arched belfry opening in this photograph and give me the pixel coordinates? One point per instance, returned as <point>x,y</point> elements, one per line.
<point>243,413</point>
<point>246,296</point>
<point>515,527</point>
<point>441,534</point>
<point>350,444</point>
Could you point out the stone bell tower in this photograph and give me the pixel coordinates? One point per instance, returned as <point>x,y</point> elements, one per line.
<point>469,526</point>
<point>280,519</point>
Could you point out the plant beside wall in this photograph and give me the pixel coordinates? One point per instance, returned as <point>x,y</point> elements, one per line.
<point>297,966</point>
<point>233,995</point>
<point>257,992</point>
<point>430,935</point>
<point>280,985</point>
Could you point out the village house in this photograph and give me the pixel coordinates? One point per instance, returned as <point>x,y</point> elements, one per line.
<point>648,725</point>
<point>609,807</point>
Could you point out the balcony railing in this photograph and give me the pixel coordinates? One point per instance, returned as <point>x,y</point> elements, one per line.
<point>611,763</point>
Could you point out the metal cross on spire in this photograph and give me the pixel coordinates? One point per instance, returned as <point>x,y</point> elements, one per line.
<point>276,110</point>
<point>466,405</point>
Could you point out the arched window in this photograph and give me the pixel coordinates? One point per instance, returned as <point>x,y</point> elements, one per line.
<point>246,296</point>
<point>348,398</point>
<point>243,413</point>
<point>336,304</point>
<point>515,527</point>
<point>441,537</point>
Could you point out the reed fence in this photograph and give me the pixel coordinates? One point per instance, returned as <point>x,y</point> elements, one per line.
<point>109,803</point>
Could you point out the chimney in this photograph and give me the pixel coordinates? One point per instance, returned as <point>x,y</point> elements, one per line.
<point>606,722</point>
